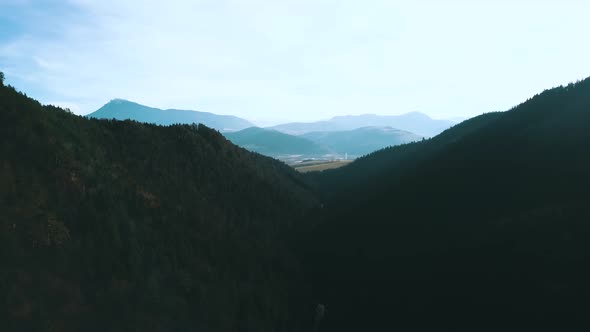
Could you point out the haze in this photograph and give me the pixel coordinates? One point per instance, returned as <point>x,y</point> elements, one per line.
<point>277,61</point>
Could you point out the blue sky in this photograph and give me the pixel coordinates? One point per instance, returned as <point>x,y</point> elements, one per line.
<point>294,60</point>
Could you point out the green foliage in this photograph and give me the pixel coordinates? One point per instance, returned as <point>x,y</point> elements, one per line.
<point>121,226</point>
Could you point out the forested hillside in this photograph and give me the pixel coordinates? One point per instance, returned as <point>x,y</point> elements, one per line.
<point>121,226</point>
<point>482,228</point>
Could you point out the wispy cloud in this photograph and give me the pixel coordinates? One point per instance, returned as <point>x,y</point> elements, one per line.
<point>290,59</point>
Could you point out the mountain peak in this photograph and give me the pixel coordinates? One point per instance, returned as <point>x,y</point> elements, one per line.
<point>119,101</point>
<point>122,109</point>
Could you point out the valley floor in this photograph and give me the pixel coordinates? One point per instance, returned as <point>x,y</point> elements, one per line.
<point>319,165</point>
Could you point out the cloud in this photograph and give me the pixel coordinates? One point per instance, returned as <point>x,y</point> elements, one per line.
<point>294,59</point>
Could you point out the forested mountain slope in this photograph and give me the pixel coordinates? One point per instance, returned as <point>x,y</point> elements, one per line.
<point>121,226</point>
<point>484,227</point>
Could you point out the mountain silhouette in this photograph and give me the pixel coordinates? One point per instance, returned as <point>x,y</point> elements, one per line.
<point>483,227</point>
<point>361,141</point>
<point>276,144</point>
<point>121,109</point>
<point>414,122</point>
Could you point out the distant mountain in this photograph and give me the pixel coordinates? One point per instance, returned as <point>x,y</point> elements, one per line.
<point>361,141</point>
<point>121,109</point>
<point>355,142</point>
<point>275,144</point>
<point>414,122</point>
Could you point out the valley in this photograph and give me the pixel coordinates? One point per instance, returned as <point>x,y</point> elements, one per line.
<point>294,166</point>
<point>337,139</point>
<point>117,225</point>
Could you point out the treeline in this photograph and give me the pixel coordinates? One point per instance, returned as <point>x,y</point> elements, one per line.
<point>122,226</point>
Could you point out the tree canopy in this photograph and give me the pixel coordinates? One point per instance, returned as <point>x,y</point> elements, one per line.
<point>118,226</point>
<point>483,227</point>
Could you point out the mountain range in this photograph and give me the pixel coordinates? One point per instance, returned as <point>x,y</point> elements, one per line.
<point>353,135</point>
<point>320,145</point>
<point>120,109</point>
<point>414,122</point>
<point>276,144</point>
<point>361,141</point>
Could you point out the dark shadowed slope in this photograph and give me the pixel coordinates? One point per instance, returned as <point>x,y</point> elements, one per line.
<point>275,144</point>
<point>484,227</point>
<point>358,142</point>
<point>122,226</point>
<point>369,171</point>
<point>414,122</point>
<point>120,109</point>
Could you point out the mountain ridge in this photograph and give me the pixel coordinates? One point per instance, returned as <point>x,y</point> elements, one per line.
<point>320,145</point>
<point>361,141</point>
<point>276,144</point>
<point>122,109</point>
<point>415,122</point>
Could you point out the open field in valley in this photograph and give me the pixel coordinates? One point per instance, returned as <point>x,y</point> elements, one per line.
<point>322,165</point>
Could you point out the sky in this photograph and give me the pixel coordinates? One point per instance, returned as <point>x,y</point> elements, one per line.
<point>273,61</point>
